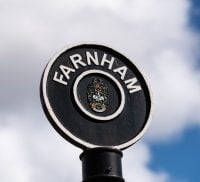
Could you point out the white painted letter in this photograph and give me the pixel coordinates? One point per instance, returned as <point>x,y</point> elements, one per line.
<point>110,62</point>
<point>76,59</point>
<point>91,58</point>
<point>60,79</point>
<point>122,71</point>
<point>130,85</point>
<point>66,71</point>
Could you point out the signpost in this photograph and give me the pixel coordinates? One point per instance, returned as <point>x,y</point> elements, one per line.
<point>98,100</point>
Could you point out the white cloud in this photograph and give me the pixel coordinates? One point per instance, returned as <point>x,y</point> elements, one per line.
<point>37,153</point>
<point>13,156</point>
<point>176,96</point>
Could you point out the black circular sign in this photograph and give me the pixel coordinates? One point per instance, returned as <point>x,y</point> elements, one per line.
<point>95,97</point>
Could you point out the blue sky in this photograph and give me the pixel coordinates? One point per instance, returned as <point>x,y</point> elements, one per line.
<point>160,37</point>
<point>180,158</point>
<point>195,14</point>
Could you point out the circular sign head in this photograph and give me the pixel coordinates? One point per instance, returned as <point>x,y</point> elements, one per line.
<point>95,97</point>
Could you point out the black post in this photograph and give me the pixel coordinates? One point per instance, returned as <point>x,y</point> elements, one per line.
<point>102,165</point>
<point>96,108</point>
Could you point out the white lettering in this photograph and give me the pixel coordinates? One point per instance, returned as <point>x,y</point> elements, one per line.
<point>110,62</point>
<point>76,59</point>
<point>60,79</point>
<point>130,85</point>
<point>66,71</point>
<point>90,58</point>
<point>122,71</point>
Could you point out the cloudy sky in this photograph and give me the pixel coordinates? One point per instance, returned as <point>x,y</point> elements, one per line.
<point>161,37</point>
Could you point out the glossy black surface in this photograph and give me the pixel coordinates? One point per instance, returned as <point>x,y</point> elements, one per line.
<point>114,132</point>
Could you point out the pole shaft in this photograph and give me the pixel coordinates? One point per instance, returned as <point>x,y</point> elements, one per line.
<point>102,165</point>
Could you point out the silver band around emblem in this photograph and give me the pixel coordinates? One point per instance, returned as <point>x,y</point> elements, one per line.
<point>84,110</point>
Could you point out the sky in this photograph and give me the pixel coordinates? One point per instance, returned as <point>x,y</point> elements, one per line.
<point>161,37</point>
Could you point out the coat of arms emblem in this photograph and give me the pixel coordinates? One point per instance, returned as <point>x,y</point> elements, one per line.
<point>97,94</point>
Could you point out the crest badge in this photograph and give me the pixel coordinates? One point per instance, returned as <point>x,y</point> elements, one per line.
<point>97,95</point>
